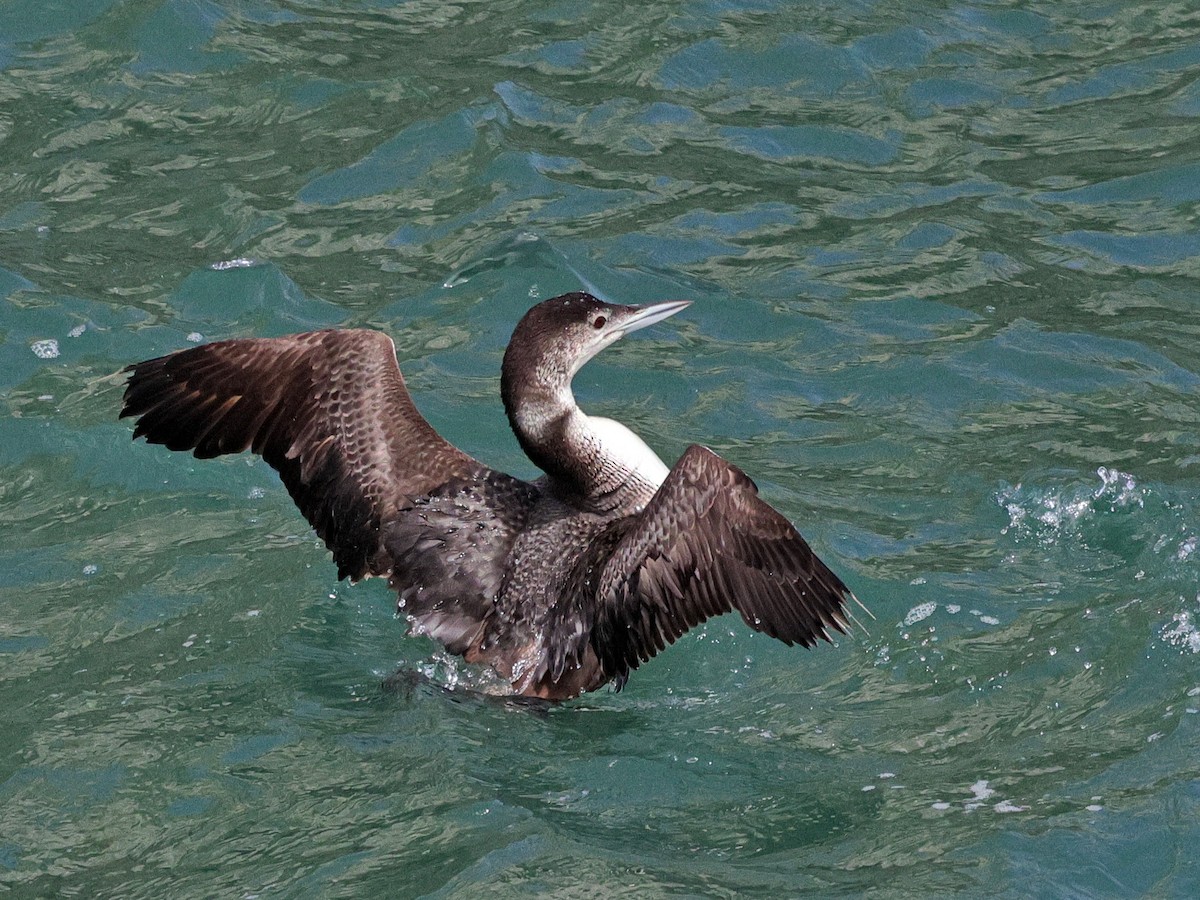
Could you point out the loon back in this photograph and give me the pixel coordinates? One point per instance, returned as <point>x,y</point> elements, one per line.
<point>561,585</point>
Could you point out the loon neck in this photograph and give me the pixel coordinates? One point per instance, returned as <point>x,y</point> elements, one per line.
<point>596,461</point>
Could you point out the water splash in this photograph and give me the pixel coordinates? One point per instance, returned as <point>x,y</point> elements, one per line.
<point>1147,533</point>
<point>1183,632</point>
<point>451,673</point>
<point>1048,515</point>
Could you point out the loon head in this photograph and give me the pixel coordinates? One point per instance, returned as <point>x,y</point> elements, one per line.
<point>555,338</point>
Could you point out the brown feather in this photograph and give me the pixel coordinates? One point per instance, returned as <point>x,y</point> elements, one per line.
<point>707,544</point>
<point>329,410</point>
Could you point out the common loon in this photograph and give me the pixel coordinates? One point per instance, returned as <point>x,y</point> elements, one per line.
<point>562,584</point>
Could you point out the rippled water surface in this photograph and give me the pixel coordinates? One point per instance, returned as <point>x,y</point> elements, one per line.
<point>946,265</point>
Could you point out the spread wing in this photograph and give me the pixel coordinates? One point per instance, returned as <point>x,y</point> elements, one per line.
<point>327,409</point>
<point>707,544</point>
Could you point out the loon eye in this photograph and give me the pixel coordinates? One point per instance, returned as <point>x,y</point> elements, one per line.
<point>599,321</point>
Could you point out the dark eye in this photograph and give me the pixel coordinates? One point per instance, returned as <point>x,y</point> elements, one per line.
<point>599,321</point>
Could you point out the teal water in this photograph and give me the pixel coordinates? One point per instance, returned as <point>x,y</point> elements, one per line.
<point>946,265</point>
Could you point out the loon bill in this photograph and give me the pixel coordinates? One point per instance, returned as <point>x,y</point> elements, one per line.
<point>562,584</point>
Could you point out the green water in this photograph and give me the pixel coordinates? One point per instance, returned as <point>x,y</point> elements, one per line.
<point>946,266</point>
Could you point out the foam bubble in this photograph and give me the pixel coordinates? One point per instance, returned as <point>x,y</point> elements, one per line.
<point>1007,806</point>
<point>919,612</point>
<point>47,349</point>
<point>240,262</point>
<point>1183,633</point>
<point>979,792</point>
<point>980,789</point>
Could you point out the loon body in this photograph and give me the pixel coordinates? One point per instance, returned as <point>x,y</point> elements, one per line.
<point>562,584</point>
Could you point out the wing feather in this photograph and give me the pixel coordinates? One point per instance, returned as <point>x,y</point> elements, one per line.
<point>706,544</point>
<point>328,410</point>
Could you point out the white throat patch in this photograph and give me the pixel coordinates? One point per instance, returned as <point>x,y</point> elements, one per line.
<point>627,450</point>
